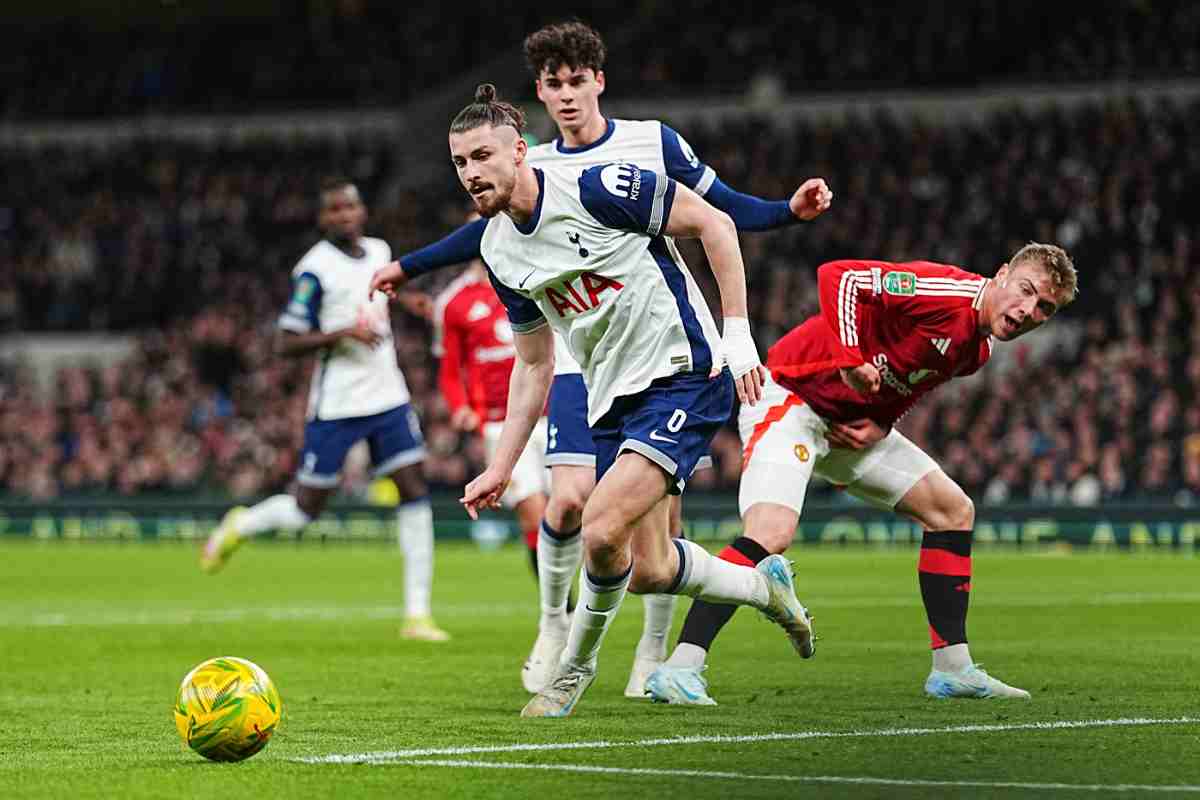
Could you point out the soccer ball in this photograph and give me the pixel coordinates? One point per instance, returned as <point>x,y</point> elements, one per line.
<point>227,708</point>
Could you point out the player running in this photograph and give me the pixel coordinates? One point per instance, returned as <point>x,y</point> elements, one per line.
<point>587,254</point>
<point>567,61</point>
<point>358,392</point>
<point>887,334</point>
<point>473,338</point>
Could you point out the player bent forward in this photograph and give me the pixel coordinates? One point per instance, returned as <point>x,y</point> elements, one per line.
<point>886,335</point>
<point>586,253</point>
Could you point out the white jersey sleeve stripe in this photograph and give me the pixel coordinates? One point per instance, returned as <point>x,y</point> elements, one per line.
<point>706,181</point>
<point>656,206</point>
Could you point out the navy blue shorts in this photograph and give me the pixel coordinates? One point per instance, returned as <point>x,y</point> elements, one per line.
<point>393,437</point>
<point>568,439</point>
<point>671,422</point>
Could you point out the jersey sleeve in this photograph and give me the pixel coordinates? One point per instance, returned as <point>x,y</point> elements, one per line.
<point>682,163</point>
<point>459,247</point>
<point>303,311</point>
<point>931,293</point>
<point>451,345</point>
<point>523,314</point>
<point>628,198</point>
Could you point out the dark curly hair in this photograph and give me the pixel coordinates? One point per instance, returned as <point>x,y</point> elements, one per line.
<point>487,110</point>
<point>575,44</point>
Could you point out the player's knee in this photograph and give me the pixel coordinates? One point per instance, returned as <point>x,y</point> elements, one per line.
<point>568,500</point>
<point>954,511</point>
<point>603,534</point>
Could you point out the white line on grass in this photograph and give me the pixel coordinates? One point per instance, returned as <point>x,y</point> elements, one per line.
<point>827,779</point>
<point>386,756</point>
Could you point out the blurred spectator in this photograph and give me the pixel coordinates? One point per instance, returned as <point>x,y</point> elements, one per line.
<point>363,53</point>
<point>192,247</point>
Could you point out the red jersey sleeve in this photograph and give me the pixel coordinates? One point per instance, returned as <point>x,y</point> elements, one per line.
<point>450,340</point>
<point>916,289</point>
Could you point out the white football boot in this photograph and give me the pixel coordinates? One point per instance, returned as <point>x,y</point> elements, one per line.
<point>783,608</point>
<point>971,681</point>
<point>539,668</point>
<point>559,698</point>
<point>683,686</point>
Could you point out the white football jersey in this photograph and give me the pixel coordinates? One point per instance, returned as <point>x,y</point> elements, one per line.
<point>592,261</point>
<point>650,145</point>
<point>329,292</point>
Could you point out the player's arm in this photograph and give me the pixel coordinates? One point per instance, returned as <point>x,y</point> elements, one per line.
<point>690,217</point>
<point>459,247</point>
<point>528,388</point>
<point>749,213</point>
<point>300,324</point>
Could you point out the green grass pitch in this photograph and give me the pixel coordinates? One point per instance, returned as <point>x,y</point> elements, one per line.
<point>94,639</point>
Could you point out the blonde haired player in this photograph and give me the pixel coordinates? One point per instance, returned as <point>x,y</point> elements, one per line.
<point>887,335</point>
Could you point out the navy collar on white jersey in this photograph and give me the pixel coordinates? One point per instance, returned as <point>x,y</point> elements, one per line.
<point>583,148</point>
<point>528,227</point>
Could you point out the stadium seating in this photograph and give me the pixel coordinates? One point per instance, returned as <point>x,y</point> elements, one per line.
<point>193,245</point>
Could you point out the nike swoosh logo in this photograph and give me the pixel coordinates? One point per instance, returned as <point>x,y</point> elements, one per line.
<point>521,285</point>
<point>654,437</point>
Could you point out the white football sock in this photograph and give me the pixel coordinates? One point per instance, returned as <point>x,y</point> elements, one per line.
<point>952,658</point>
<point>277,513</point>
<point>597,607</point>
<point>415,520</point>
<point>558,562</point>
<point>659,614</point>
<point>688,655</point>
<point>718,581</point>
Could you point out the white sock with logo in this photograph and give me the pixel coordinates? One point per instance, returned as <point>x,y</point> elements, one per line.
<point>558,557</point>
<point>277,513</point>
<point>415,521</point>
<point>703,575</point>
<point>599,601</point>
<point>659,610</point>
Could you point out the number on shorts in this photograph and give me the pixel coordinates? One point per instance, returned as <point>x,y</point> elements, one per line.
<point>675,423</point>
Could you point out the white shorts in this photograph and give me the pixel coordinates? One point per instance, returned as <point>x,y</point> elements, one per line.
<point>783,446</point>
<point>529,476</point>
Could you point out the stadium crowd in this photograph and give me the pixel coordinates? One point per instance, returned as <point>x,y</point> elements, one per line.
<point>192,247</point>
<point>358,52</point>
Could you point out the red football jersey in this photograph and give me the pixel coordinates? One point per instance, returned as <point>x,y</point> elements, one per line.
<point>472,336</point>
<point>917,323</point>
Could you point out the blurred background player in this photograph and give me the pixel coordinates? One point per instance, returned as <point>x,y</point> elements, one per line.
<point>358,392</point>
<point>567,61</point>
<point>887,334</point>
<point>474,340</point>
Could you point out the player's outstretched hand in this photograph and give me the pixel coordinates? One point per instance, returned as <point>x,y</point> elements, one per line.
<point>484,492</point>
<point>388,280</point>
<point>863,379</point>
<point>854,435</point>
<point>812,199</point>
<point>750,385</point>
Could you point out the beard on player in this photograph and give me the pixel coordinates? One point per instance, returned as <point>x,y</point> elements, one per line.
<point>490,198</point>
